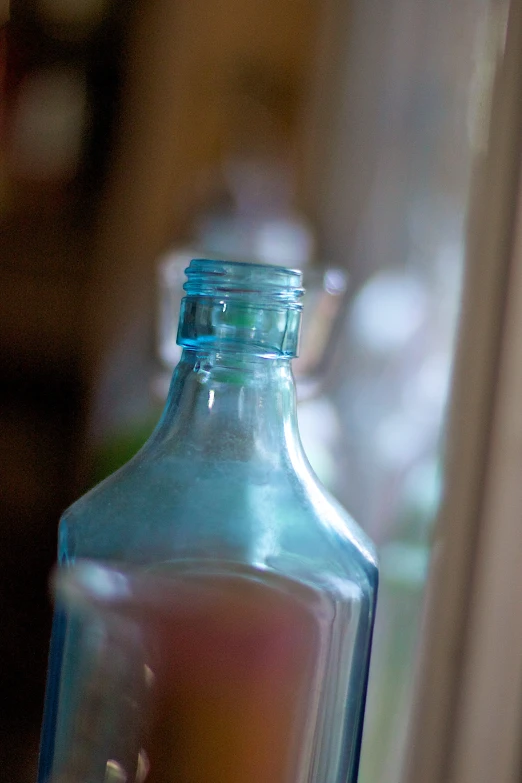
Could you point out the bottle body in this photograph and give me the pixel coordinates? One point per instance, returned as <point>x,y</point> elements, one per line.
<point>222,498</point>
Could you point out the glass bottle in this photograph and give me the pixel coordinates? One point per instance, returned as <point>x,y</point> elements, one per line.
<point>222,497</point>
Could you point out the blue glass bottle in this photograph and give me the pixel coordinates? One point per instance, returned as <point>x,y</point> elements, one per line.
<point>223,491</point>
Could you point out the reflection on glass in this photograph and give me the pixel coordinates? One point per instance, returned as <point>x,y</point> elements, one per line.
<point>183,674</point>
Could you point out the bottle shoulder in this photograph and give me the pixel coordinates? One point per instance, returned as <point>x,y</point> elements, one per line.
<point>171,508</point>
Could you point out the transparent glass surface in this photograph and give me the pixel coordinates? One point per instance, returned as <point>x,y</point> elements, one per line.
<point>223,501</point>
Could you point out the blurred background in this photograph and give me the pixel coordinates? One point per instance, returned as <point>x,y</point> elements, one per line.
<point>338,137</point>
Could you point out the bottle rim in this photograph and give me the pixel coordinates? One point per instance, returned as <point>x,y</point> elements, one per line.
<point>250,282</point>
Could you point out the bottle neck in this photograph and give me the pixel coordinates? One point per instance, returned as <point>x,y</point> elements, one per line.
<point>230,406</point>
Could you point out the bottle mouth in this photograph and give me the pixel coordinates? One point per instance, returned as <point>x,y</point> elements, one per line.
<point>252,283</point>
<point>231,305</point>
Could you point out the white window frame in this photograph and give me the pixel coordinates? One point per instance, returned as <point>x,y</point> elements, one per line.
<point>467,718</point>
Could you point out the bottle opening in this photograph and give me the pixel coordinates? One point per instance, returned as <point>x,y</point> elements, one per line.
<point>241,306</point>
<point>240,280</point>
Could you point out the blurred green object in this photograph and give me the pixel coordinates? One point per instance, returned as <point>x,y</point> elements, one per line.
<point>120,446</point>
